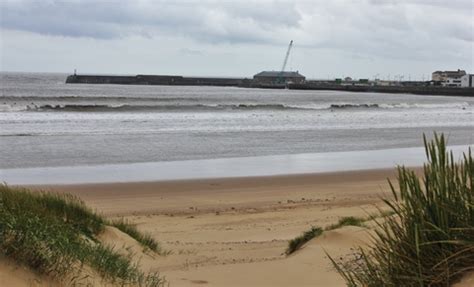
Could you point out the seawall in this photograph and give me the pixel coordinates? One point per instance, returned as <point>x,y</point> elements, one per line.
<point>153,80</point>
<point>249,83</point>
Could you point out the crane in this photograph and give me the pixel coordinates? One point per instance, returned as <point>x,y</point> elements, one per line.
<point>280,76</point>
<point>286,56</point>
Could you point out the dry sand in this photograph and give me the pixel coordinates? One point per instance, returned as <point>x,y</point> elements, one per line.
<point>234,232</point>
<point>13,275</point>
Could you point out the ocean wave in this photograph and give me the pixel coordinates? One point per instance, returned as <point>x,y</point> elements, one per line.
<point>125,107</point>
<point>198,107</point>
<point>425,106</point>
<point>17,135</point>
<point>60,99</point>
<point>218,107</point>
<point>11,108</point>
<point>354,106</point>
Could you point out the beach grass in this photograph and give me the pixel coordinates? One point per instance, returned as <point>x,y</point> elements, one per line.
<point>144,239</point>
<point>299,241</point>
<point>314,232</point>
<point>55,235</point>
<point>347,221</point>
<point>429,241</point>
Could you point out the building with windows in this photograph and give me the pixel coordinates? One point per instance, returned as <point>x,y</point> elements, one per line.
<point>452,82</point>
<point>443,76</point>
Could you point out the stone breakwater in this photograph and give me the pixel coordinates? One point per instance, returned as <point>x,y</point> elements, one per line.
<point>154,80</point>
<point>170,80</point>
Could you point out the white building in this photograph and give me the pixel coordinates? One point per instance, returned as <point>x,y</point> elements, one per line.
<point>452,82</point>
<point>443,76</point>
<point>467,81</point>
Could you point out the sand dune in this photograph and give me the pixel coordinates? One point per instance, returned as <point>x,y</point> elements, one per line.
<point>14,275</point>
<point>121,242</point>
<point>11,274</point>
<point>307,267</point>
<point>234,232</point>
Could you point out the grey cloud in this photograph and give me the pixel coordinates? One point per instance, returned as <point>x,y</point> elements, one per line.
<point>415,30</point>
<point>411,30</point>
<point>266,22</point>
<point>207,21</point>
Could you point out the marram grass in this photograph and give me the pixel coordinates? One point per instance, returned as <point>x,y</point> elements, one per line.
<point>143,238</point>
<point>299,241</point>
<point>429,241</point>
<point>347,221</point>
<point>54,234</point>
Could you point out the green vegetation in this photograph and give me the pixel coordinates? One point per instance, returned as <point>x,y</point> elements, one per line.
<point>346,221</point>
<point>299,241</point>
<point>430,239</point>
<point>143,238</point>
<point>54,234</point>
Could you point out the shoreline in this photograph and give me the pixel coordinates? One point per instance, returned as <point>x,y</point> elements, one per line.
<point>210,169</point>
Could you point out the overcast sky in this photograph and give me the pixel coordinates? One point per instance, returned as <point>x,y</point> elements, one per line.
<point>358,38</point>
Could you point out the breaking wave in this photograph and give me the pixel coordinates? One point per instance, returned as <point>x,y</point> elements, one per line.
<point>199,107</point>
<point>218,107</point>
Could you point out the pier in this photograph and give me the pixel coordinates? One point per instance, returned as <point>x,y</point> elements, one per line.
<point>167,80</point>
<point>171,80</point>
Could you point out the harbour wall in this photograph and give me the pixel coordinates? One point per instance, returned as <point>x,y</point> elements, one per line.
<point>154,80</point>
<point>171,80</point>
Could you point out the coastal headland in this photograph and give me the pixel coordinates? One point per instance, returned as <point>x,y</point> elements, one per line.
<point>175,80</point>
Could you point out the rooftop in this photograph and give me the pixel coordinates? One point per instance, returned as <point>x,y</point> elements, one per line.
<point>289,74</point>
<point>450,72</point>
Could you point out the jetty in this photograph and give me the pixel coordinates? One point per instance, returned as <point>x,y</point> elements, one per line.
<point>419,88</point>
<point>168,80</point>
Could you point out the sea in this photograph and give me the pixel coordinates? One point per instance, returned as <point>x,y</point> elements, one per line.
<point>48,126</point>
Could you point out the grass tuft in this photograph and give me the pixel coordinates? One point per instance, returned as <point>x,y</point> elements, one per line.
<point>69,208</point>
<point>299,241</point>
<point>346,221</point>
<point>429,241</point>
<point>143,238</point>
<point>55,234</point>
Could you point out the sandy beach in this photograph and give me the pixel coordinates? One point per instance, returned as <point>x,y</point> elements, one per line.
<point>234,232</point>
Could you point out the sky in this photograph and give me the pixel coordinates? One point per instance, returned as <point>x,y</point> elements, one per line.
<point>386,39</point>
